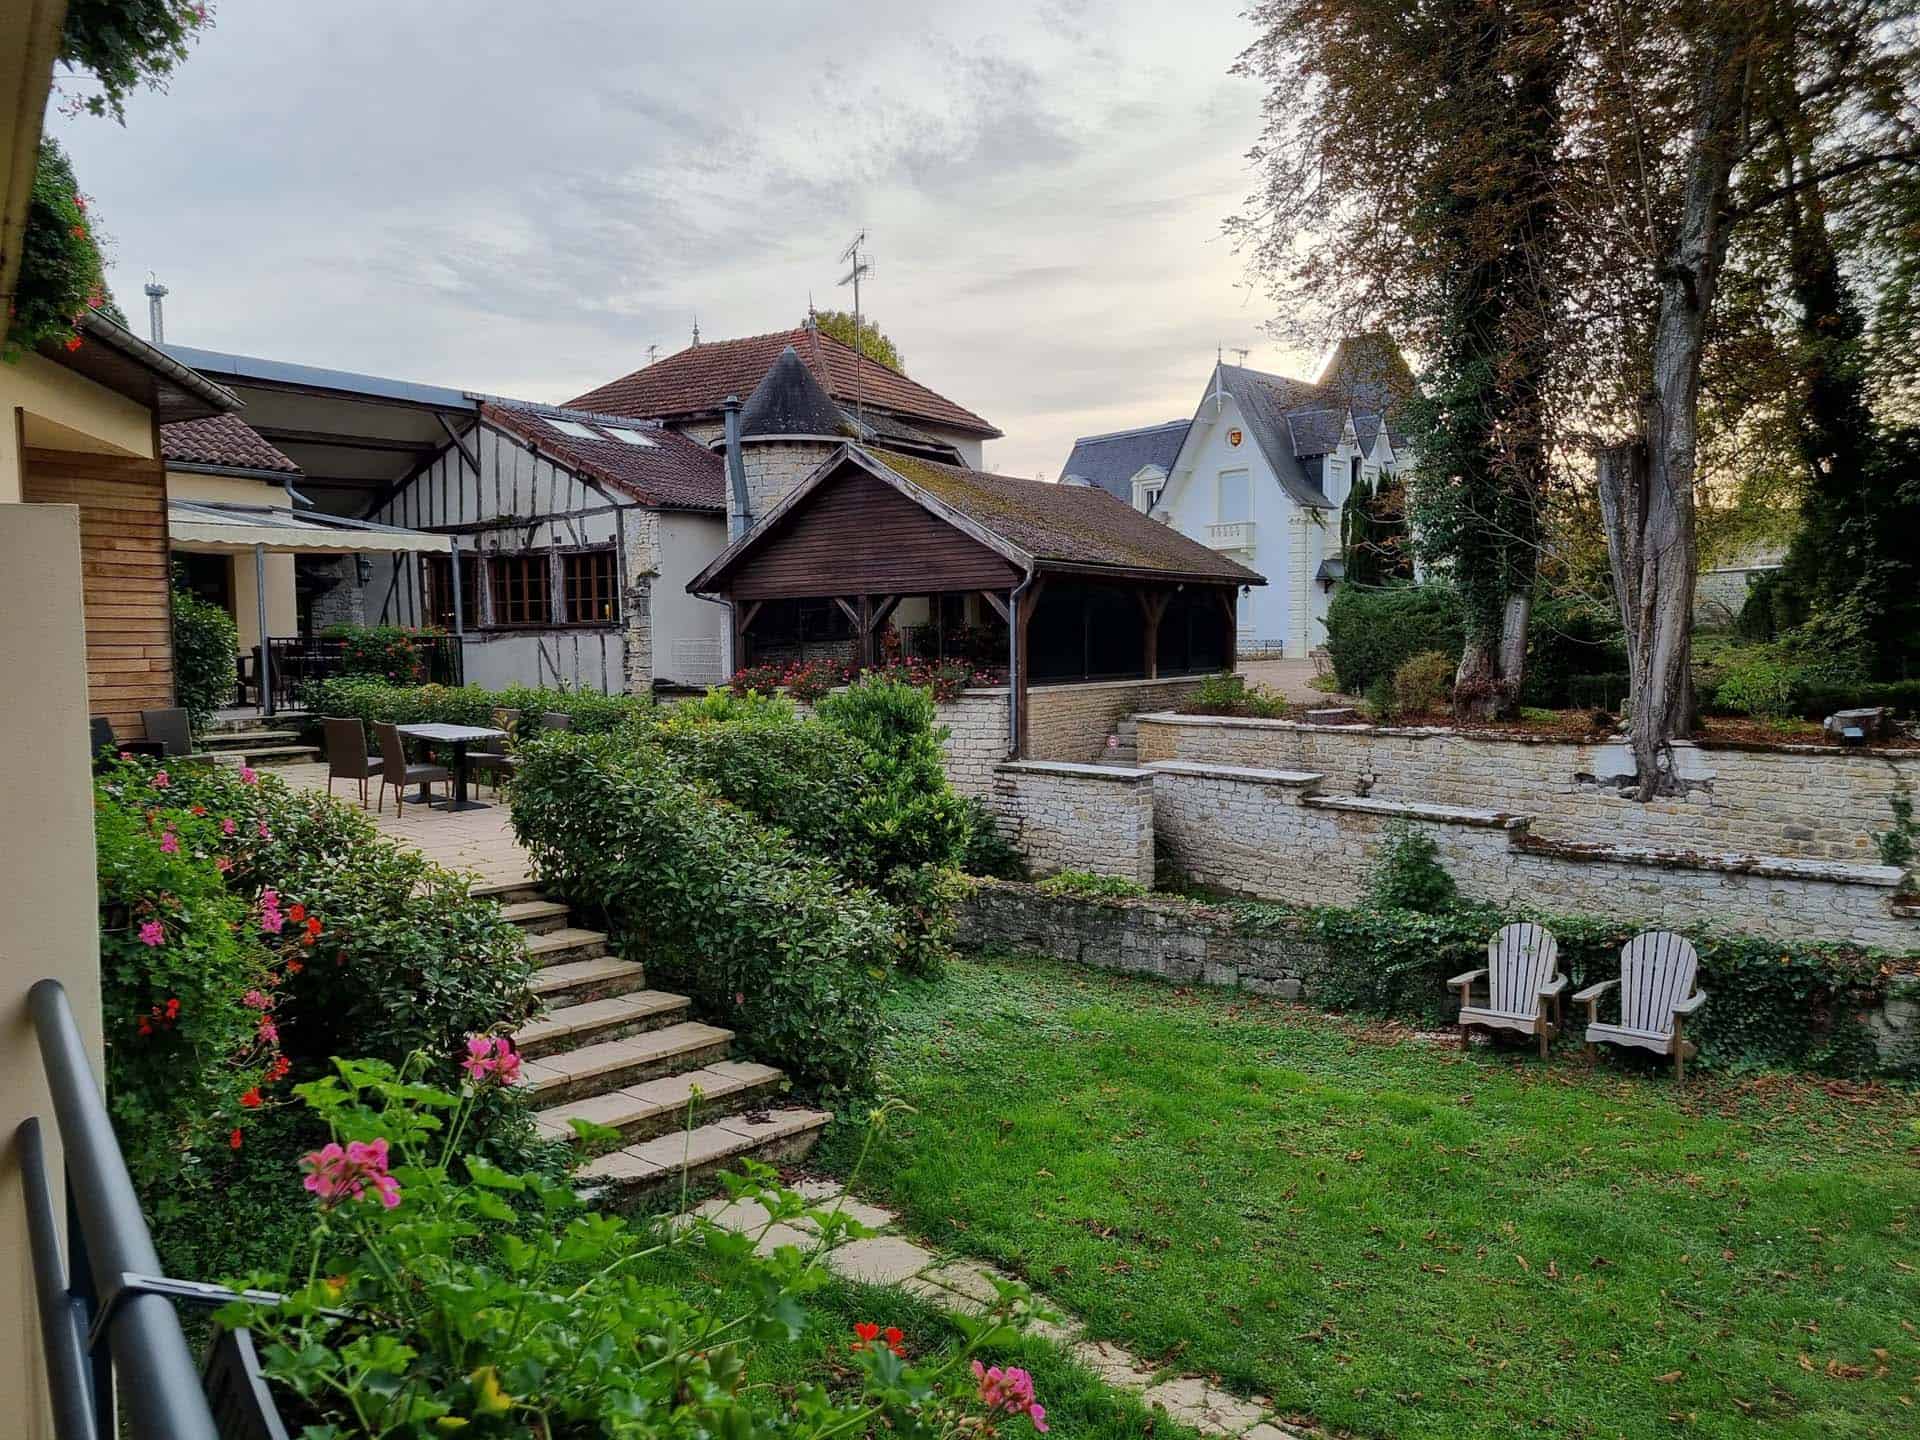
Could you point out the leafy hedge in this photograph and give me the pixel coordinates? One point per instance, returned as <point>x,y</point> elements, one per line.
<point>1372,633</point>
<point>385,652</point>
<point>369,700</point>
<point>766,937</point>
<point>205,642</point>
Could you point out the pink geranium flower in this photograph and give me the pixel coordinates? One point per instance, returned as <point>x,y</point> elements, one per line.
<point>249,775</point>
<point>1010,1391</point>
<point>160,780</point>
<point>491,1056</point>
<point>152,933</point>
<point>227,827</point>
<point>254,1000</point>
<point>336,1174</point>
<point>169,843</point>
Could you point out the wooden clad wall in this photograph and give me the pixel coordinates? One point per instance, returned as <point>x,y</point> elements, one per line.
<point>858,535</point>
<point>123,575</point>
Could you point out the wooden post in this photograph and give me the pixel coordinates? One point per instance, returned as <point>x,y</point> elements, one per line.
<point>1153,608</point>
<point>1023,666</point>
<point>742,618</point>
<point>1230,603</point>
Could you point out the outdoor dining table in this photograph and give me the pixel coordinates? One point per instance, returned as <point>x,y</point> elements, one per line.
<point>459,737</point>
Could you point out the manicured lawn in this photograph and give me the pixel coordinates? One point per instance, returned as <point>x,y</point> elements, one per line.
<point>1397,1239</point>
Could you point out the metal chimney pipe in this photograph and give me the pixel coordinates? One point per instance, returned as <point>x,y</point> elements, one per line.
<point>156,328</point>
<point>738,520</point>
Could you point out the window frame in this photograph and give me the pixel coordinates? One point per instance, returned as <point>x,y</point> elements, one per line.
<point>501,567</point>
<point>600,555</point>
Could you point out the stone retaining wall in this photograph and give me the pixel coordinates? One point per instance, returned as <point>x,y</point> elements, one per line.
<point>976,739</point>
<point>1268,834</point>
<point>1097,818</point>
<point>1072,722</point>
<point>1813,802</point>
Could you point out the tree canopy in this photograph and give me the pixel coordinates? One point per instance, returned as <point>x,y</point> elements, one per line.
<point>868,340</point>
<point>125,44</point>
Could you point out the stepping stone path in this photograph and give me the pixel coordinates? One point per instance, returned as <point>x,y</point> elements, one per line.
<point>609,1049</point>
<point>890,1258</point>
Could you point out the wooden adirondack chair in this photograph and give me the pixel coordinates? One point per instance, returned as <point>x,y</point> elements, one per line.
<point>1522,975</point>
<point>1657,993</point>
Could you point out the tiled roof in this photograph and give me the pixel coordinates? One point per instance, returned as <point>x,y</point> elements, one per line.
<point>694,381</point>
<point>224,440</point>
<point>1066,524</point>
<point>1111,461</point>
<point>672,473</point>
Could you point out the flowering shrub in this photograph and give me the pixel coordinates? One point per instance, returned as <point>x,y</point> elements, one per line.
<point>765,936</point>
<point>62,276</point>
<point>437,1293</point>
<point>388,652</point>
<point>810,680</point>
<point>369,700</point>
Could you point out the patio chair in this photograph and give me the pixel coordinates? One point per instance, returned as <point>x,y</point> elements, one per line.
<point>171,728</point>
<point>490,760</point>
<point>347,757</point>
<point>1657,993</point>
<point>556,720</point>
<point>397,773</point>
<point>1523,977</point>
<point>101,737</point>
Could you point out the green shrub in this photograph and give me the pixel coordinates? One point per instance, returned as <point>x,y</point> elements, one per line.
<point>764,936</point>
<point>1383,706</point>
<point>369,700</point>
<point>1407,874</point>
<point>718,704</point>
<point>205,644</point>
<point>1094,887</point>
<point>988,851</point>
<point>1423,682</point>
<point>1371,633</point>
<point>1896,844</point>
<point>1232,695</point>
<point>61,276</point>
<point>1765,688</point>
<point>385,652</point>
<point>1570,637</point>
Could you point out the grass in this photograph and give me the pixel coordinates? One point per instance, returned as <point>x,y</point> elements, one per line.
<point>1394,1238</point>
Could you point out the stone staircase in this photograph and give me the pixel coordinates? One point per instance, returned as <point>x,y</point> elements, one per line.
<point>609,1049</point>
<point>257,747</point>
<point>1122,745</point>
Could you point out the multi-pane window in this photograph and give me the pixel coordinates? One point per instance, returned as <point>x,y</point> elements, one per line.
<point>436,589</point>
<point>520,589</point>
<point>592,587</point>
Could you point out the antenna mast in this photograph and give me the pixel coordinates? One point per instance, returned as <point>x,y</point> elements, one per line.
<point>857,268</point>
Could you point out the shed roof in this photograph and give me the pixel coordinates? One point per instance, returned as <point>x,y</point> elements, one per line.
<point>670,472</point>
<point>1036,524</point>
<point>223,441</point>
<point>696,380</point>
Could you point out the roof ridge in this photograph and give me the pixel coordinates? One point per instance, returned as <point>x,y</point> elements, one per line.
<point>574,412</point>
<point>1136,430</point>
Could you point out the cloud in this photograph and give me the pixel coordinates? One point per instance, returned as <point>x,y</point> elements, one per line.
<point>522,199</point>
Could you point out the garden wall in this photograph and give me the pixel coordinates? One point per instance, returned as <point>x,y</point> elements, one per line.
<point>1072,722</point>
<point>1097,818</point>
<point>976,739</point>
<point>1268,834</point>
<point>1811,802</point>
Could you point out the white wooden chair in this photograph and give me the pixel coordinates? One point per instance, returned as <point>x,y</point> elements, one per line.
<point>1523,978</point>
<point>1657,993</point>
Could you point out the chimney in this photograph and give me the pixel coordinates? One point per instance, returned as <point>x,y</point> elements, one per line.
<point>156,292</point>
<point>738,520</point>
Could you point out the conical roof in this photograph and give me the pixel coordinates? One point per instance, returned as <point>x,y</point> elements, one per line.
<point>789,401</point>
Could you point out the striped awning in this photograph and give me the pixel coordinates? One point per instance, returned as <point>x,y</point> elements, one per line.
<point>211,525</point>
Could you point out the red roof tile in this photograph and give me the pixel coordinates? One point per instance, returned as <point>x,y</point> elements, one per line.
<point>695,380</point>
<point>225,440</point>
<point>672,473</point>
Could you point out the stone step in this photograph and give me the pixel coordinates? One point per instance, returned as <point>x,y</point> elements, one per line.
<point>575,982</point>
<point>613,1018</point>
<point>262,755</point>
<point>655,1107</point>
<point>248,739</point>
<point>554,947</point>
<point>773,1136</point>
<point>616,1064</point>
<point>536,917</point>
<point>510,892</point>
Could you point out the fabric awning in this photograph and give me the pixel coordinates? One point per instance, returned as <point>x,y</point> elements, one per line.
<point>210,525</point>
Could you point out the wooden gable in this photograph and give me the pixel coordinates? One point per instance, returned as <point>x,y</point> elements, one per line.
<point>858,535</point>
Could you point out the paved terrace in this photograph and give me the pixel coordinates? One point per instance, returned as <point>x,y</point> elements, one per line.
<point>477,841</point>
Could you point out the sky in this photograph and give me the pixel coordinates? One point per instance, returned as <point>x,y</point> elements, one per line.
<point>520,199</point>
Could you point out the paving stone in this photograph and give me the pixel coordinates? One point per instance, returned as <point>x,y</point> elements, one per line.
<point>871,1216</point>
<point>741,1215</point>
<point>882,1260</point>
<point>778,1235</point>
<point>1113,1365</point>
<point>816,1190</point>
<point>1194,1402</point>
<point>1267,1430</point>
<point>968,1278</point>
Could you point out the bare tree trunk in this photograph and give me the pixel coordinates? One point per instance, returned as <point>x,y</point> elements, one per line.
<point>1487,684</point>
<point>1646,488</point>
<point>1651,554</point>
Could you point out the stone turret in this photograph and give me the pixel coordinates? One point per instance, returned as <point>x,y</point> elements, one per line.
<point>787,427</point>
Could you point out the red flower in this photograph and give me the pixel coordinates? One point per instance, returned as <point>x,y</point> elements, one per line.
<point>294,967</point>
<point>234,1138</point>
<point>281,1065</point>
<point>314,927</point>
<point>251,1099</point>
<point>173,1009</point>
<point>146,1026</point>
<point>895,1337</point>
<point>296,912</point>
<point>867,1333</point>
<point>199,809</point>
<point>73,342</point>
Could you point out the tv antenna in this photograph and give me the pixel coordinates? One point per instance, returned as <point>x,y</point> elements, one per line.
<point>858,266</point>
<point>653,352</point>
<point>1242,351</point>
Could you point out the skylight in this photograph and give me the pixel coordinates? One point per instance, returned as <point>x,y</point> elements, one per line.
<point>631,437</point>
<point>573,428</point>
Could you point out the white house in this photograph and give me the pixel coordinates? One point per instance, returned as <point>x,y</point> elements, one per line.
<point>1261,471</point>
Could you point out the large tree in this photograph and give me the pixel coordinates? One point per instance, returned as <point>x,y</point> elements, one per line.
<point>1408,159</point>
<point>868,338</point>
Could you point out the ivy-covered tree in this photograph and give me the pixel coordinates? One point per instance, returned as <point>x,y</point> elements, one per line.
<point>868,339</point>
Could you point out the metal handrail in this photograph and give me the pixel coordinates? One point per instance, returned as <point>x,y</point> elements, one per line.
<point>102,1285</point>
